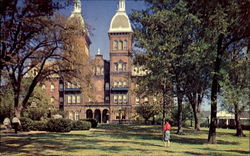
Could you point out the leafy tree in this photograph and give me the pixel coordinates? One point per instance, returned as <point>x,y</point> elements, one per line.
<point>172,52</point>
<point>147,110</point>
<point>6,105</point>
<point>225,23</point>
<point>39,106</point>
<point>36,42</point>
<point>235,86</point>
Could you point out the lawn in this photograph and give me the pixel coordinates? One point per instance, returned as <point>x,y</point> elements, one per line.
<point>124,140</point>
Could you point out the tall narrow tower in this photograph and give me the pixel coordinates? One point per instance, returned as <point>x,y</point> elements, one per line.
<point>120,36</point>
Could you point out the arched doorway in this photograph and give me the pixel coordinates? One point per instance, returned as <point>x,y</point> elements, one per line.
<point>98,115</point>
<point>105,116</point>
<point>89,114</point>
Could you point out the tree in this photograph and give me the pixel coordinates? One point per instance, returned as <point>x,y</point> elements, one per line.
<point>39,106</point>
<point>36,42</point>
<point>147,110</point>
<point>172,49</point>
<point>235,85</point>
<point>225,23</point>
<point>6,105</point>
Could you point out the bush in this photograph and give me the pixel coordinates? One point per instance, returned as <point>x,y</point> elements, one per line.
<point>40,125</point>
<point>92,121</point>
<point>26,124</point>
<point>59,125</point>
<point>81,125</point>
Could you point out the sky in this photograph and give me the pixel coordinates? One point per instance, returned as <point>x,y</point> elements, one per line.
<point>98,14</point>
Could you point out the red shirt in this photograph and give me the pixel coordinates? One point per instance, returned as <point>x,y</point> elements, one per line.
<point>167,127</point>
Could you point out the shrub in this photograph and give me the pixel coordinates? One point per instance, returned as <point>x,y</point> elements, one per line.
<point>92,121</point>
<point>59,125</point>
<point>40,125</point>
<point>81,125</point>
<point>26,124</point>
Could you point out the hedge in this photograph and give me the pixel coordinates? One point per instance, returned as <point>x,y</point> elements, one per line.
<point>92,121</point>
<point>26,124</point>
<point>59,125</point>
<point>39,125</point>
<point>81,125</point>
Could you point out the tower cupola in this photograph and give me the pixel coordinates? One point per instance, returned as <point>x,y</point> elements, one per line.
<point>120,21</point>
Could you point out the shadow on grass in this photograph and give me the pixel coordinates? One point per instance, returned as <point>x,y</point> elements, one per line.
<point>183,140</point>
<point>231,151</point>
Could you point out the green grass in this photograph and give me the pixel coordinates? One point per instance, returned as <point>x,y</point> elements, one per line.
<point>125,140</point>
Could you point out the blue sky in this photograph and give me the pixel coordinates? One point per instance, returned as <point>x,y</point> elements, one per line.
<point>98,14</point>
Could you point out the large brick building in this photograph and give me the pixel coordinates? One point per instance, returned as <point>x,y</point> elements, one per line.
<point>113,100</point>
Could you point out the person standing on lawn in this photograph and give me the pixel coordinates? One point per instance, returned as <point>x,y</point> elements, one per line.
<point>16,122</point>
<point>166,134</point>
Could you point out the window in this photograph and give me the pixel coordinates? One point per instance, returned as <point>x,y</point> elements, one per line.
<point>78,99</point>
<point>107,98</point>
<point>73,99</point>
<point>43,86</point>
<point>115,98</point>
<point>98,72</point>
<point>69,85</point>
<point>120,98</point>
<point>145,99</point>
<point>115,45</point>
<point>154,99</point>
<point>120,45</point>
<point>61,99</point>
<point>52,87</point>
<point>116,66</point>
<point>52,99</point>
<point>69,99</point>
<point>77,116</point>
<point>124,84</point>
<point>120,84</point>
<point>70,115</point>
<point>120,66</point>
<point>125,45</point>
<point>61,86</point>
<point>115,84</point>
<point>124,66</point>
<point>137,100</point>
<point>102,71</point>
<point>124,98</point>
<point>106,86</point>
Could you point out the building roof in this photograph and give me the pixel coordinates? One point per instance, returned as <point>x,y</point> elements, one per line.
<point>120,21</point>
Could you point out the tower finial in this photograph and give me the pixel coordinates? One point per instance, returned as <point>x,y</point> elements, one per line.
<point>121,5</point>
<point>98,51</point>
<point>77,6</point>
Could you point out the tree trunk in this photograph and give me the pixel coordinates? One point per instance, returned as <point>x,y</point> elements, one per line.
<point>196,110</point>
<point>239,131</point>
<point>214,92</point>
<point>179,98</point>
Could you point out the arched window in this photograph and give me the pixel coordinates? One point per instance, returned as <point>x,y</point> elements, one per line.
<point>78,99</point>
<point>115,45</point>
<point>124,83</point>
<point>115,84</point>
<point>73,99</point>
<point>116,66</point>
<point>120,45</point>
<point>124,66</point>
<point>98,70</point>
<point>125,45</point>
<point>69,99</point>
<point>120,84</point>
<point>120,66</point>
<point>43,86</point>
<point>124,98</point>
<point>77,116</point>
<point>52,99</point>
<point>115,98</point>
<point>52,87</point>
<point>145,99</point>
<point>137,100</point>
<point>120,98</point>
